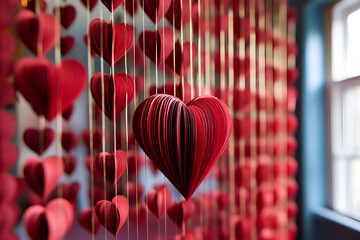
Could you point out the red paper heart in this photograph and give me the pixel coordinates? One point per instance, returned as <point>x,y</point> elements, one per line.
<point>157,45</point>
<point>182,59</point>
<point>7,125</point>
<point>70,163</point>
<point>8,188</point>
<point>117,40</point>
<point>67,44</point>
<point>86,221</point>
<point>92,4</point>
<point>95,171</point>
<point>138,215</point>
<point>155,9</point>
<point>67,16</point>
<point>159,199</point>
<point>115,165</point>
<point>181,212</point>
<point>10,214</point>
<point>7,93</point>
<point>135,162</point>
<point>49,222</point>
<point>96,136</point>
<point>189,235</point>
<point>38,141</point>
<point>69,192</point>
<point>31,5</point>
<point>137,56</point>
<point>68,140</point>
<point>68,112</point>
<point>112,5</point>
<point>8,155</point>
<point>160,123</point>
<point>180,17</point>
<point>131,6</point>
<point>292,209</point>
<point>7,44</point>
<point>116,90</point>
<point>114,213</point>
<point>31,29</point>
<point>43,84</point>
<point>242,227</point>
<point>42,176</point>
<point>7,13</point>
<point>135,191</point>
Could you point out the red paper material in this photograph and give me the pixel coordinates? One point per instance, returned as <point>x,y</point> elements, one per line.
<point>69,140</point>
<point>67,16</point>
<point>181,212</point>
<point>138,215</point>
<point>156,9</point>
<point>159,199</point>
<point>70,163</point>
<point>67,44</point>
<point>8,155</point>
<point>115,165</point>
<point>86,221</point>
<point>32,138</point>
<point>92,3</point>
<point>112,5</point>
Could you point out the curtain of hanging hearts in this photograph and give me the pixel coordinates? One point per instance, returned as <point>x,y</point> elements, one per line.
<point>148,119</point>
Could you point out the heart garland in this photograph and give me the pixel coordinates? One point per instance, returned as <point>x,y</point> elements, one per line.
<point>116,89</point>
<point>48,222</point>
<point>121,36</point>
<point>113,213</point>
<point>42,176</point>
<point>115,165</point>
<point>44,84</point>
<point>31,29</point>
<point>183,141</point>
<point>32,139</point>
<point>155,9</point>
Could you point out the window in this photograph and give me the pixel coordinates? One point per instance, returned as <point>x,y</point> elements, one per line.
<point>344,108</point>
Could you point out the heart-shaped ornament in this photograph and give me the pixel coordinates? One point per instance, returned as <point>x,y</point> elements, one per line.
<point>42,176</point>
<point>183,141</point>
<point>67,16</point>
<point>8,155</point>
<point>37,140</point>
<point>67,44</point>
<point>113,164</point>
<point>155,9</point>
<point>137,213</point>
<point>68,140</point>
<point>181,212</point>
<point>70,163</point>
<point>116,91</point>
<point>85,220</point>
<point>183,61</point>
<point>113,213</point>
<point>112,5</point>
<point>159,199</point>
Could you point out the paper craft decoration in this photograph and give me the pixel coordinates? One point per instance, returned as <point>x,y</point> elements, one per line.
<point>86,221</point>
<point>115,165</point>
<point>43,84</point>
<point>66,43</point>
<point>159,199</point>
<point>37,140</point>
<point>112,5</point>
<point>183,59</point>
<point>68,140</point>
<point>181,212</point>
<point>67,15</point>
<point>155,9</point>
<point>8,155</point>
<point>183,141</point>
<point>70,163</point>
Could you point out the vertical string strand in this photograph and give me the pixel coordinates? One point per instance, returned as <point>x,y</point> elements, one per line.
<point>191,53</point>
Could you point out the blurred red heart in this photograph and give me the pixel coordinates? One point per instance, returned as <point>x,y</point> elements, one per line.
<point>8,188</point>
<point>69,191</point>
<point>112,5</point>
<point>138,215</point>
<point>31,5</point>
<point>179,16</point>
<point>43,84</point>
<point>131,6</point>
<point>116,40</point>
<point>48,222</point>
<point>93,53</point>
<point>7,13</point>
<point>96,138</point>
<point>242,227</point>
<point>115,92</point>
<point>183,59</point>
<point>155,9</point>
<point>10,214</point>
<point>181,212</point>
<point>38,141</point>
<point>135,191</point>
<point>7,92</point>
<point>189,235</point>
<point>135,162</point>
<point>8,155</point>
<point>113,213</point>
<point>159,199</point>
<point>7,44</point>
<point>70,163</point>
<point>96,172</point>
<point>67,15</point>
<point>7,125</point>
<point>85,220</point>
<point>31,29</point>
<point>42,176</point>
<point>92,4</point>
<point>113,164</point>
<point>292,209</point>
<point>222,200</point>
<point>68,140</point>
<point>68,112</point>
<point>67,44</point>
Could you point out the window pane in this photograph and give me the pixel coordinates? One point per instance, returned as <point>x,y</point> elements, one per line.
<point>353,46</point>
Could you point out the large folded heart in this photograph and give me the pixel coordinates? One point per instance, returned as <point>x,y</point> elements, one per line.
<point>155,9</point>
<point>131,6</point>
<point>117,40</point>
<point>66,43</point>
<point>44,29</point>
<point>159,199</point>
<point>67,16</point>
<point>49,222</point>
<point>42,176</point>
<point>112,5</point>
<point>183,141</point>
<point>181,212</point>
<point>183,60</point>
<point>45,85</point>
<point>8,155</point>
<point>112,214</point>
<point>86,221</point>
<point>116,90</point>
<point>158,45</point>
<point>92,4</point>
<point>38,141</point>
<point>114,165</point>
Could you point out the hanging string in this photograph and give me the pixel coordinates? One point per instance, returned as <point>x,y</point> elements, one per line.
<point>174,41</point>
<point>191,52</point>
<point>181,49</point>
<point>199,46</point>
<point>164,179</point>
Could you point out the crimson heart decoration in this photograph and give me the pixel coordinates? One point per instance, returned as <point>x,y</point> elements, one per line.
<point>159,199</point>
<point>7,92</point>
<point>68,112</point>
<point>66,43</point>
<point>116,40</point>
<point>155,9</point>
<point>96,136</point>
<point>116,91</point>
<point>242,226</point>
<point>69,192</point>
<point>131,6</point>
<point>114,164</point>
<point>292,209</point>
<point>43,84</point>
<point>189,235</point>
<point>67,16</point>
<point>222,200</point>
<point>86,221</point>
<point>157,45</point>
<point>70,163</point>
<point>68,140</point>
<point>135,192</point>
<point>169,89</point>
<point>182,59</point>
<point>7,125</point>
<point>7,44</point>
<point>181,212</point>
<point>48,222</point>
<point>7,13</point>
<point>176,15</point>
<point>38,141</point>
<point>93,53</point>
<point>92,4</point>
<point>160,123</point>
<point>112,5</point>
<point>139,84</point>
<point>42,176</point>
<point>135,162</point>
<point>31,5</point>
<point>8,188</point>
<point>8,155</point>
<point>31,29</point>
<point>113,213</point>
<point>10,214</point>
<point>138,215</point>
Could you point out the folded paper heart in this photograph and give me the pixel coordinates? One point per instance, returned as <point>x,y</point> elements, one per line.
<point>38,140</point>
<point>42,176</point>
<point>183,141</point>
<point>179,15</point>
<point>49,222</point>
<point>10,214</point>
<point>155,9</point>
<point>86,220</point>
<point>8,155</point>
<point>112,215</point>
<point>45,85</point>
<point>70,163</point>
<point>7,13</point>
<point>157,45</point>
<point>118,92</point>
<point>44,29</point>
<point>137,213</point>
<point>92,4</point>
<point>113,165</point>
<point>96,138</point>
<point>181,212</point>
<point>159,199</point>
<point>69,191</point>
<point>66,43</point>
<point>135,162</point>
<point>117,40</point>
<point>68,112</point>
<point>95,171</point>
<point>67,15</point>
<point>68,140</point>
<point>112,5</point>
<point>7,44</point>
<point>183,59</point>
<point>8,188</point>
<point>135,191</point>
